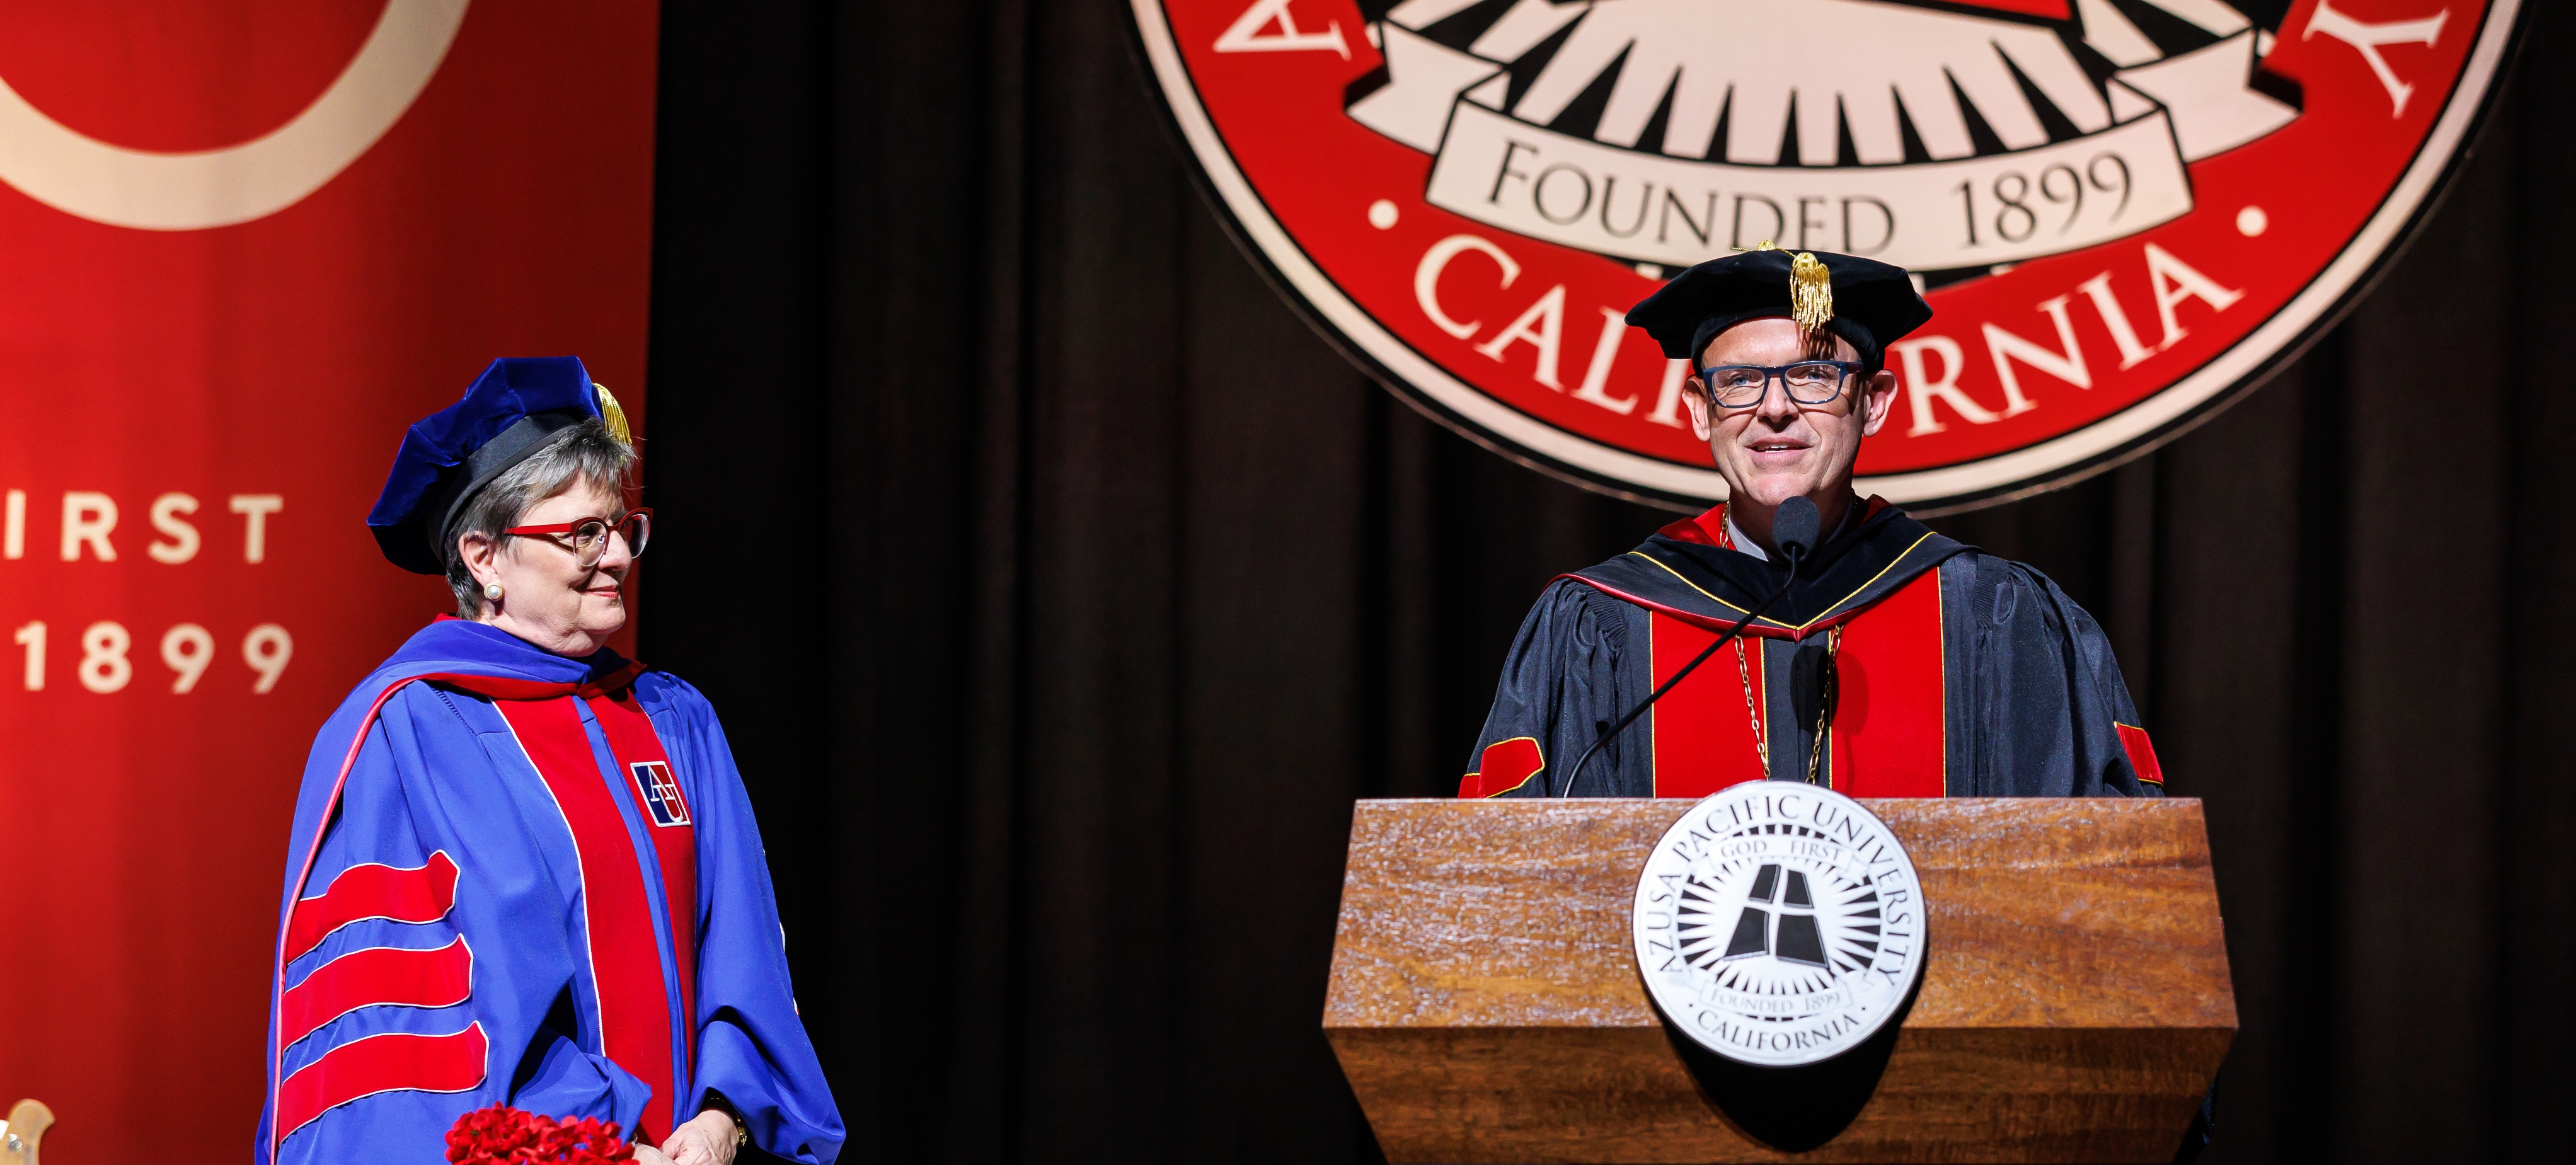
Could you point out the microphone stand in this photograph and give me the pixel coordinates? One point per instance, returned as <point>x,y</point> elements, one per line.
<point>1797,556</point>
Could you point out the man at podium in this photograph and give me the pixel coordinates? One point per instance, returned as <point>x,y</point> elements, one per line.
<point>1898,663</point>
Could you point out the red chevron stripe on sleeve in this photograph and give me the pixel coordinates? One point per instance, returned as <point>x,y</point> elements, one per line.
<point>386,1063</point>
<point>376,977</point>
<point>2142,753</point>
<point>1505,766</point>
<point>368,891</point>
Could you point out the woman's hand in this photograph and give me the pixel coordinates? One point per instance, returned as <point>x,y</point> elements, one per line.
<point>706,1140</point>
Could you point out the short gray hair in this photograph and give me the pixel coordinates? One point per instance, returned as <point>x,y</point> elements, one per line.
<point>584,452</point>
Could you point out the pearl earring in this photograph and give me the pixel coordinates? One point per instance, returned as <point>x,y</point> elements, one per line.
<point>492,590</point>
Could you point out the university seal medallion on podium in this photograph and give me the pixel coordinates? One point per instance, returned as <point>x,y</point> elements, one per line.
<point>1779,924</point>
<point>2124,212</point>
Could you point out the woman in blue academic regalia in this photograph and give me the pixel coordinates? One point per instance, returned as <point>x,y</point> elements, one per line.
<point>523,868</point>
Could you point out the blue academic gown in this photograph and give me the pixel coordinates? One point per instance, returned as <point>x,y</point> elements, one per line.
<point>434,954</point>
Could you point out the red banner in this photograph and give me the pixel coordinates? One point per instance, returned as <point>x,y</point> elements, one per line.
<point>241,247</point>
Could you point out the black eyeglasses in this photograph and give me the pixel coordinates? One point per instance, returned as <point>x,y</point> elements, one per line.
<point>1810,382</point>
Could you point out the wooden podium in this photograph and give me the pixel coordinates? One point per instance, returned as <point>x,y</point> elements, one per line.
<point>1486,1006</point>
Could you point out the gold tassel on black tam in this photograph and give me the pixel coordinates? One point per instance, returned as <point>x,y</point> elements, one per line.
<point>1811,298</point>
<point>1811,293</point>
<point>1834,299</point>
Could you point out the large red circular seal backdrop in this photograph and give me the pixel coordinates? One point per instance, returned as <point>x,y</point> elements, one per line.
<point>2124,212</point>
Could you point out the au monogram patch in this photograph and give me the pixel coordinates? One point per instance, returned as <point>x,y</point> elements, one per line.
<point>661,793</point>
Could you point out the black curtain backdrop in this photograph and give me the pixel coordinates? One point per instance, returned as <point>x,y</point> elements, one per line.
<point>1061,589</point>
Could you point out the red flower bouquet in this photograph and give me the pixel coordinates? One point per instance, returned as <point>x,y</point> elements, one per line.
<point>501,1135</point>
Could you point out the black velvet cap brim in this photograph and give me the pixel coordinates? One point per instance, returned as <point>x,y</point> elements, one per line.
<point>1874,303</point>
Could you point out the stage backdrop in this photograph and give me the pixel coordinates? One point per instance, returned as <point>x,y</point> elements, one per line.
<point>1131,583</point>
<point>241,246</point>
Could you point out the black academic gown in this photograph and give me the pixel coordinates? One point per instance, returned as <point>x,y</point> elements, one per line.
<point>2038,707</point>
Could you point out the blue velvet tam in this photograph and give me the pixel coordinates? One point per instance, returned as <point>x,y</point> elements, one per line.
<point>449,457</point>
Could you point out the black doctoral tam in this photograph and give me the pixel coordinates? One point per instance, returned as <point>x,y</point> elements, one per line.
<point>1869,303</point>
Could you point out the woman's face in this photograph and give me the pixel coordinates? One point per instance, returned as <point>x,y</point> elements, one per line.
<point>548,596</point>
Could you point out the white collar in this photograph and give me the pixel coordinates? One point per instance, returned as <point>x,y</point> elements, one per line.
<point>1745,545</point>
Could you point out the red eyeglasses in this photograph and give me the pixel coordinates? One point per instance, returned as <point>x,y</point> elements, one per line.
<point>588,537</point>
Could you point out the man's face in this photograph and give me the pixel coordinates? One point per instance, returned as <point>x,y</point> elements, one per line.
<point>1778,449</point>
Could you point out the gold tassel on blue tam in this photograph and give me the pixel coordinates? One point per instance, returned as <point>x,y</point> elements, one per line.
<point>613,416</point>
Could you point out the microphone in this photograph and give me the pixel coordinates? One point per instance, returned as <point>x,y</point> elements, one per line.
<point>1794,529</point>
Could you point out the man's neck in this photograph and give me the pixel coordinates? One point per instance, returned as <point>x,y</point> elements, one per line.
<point>1750,526</point>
